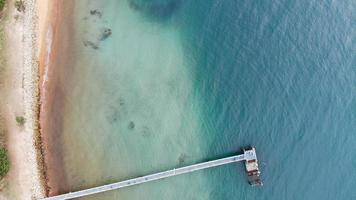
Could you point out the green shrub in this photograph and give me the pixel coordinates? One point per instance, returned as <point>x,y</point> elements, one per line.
<point>20,120</point>
<point>2,4</point>
<point>4,162</point>
<point>20,5</point>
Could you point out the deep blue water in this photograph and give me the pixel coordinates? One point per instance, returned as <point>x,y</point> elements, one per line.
<point>280,75</point>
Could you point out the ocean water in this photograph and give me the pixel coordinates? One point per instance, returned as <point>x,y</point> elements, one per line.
<point>183,81</point>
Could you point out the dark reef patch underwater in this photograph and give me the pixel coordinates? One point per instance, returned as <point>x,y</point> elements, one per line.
<point>156,9</point>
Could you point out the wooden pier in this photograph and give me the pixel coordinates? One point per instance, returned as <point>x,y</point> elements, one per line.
<point>156,176</point>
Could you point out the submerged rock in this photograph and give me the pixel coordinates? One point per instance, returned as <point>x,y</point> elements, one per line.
<point>105,33</point>
<point>112,114</point>
<point>182,158</point>
<point>121,101</point>
<point>146,131</point>
<point>131,125</point>
<point>91,44</point>
<point>96,12</point>
<point>157,9</point>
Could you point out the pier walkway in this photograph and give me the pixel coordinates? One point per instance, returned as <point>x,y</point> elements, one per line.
<point>152,177</point>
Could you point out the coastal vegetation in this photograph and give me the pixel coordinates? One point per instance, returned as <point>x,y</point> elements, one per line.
<point>2,4</point>
<point>2,131</point>
<point>20,120</point>
<point>20,5</point>
<point>4,162</point>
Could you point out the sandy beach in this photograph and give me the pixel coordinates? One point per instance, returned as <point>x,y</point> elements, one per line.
<point>56,52</point>
<point>23,35</point>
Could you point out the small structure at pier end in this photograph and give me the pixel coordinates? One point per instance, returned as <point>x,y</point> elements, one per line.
<point>251,164</point>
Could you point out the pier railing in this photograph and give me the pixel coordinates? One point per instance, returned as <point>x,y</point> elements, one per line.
<point>148,178</point>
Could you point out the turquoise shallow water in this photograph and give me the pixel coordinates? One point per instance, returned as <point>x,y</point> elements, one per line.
<point>183,81</point>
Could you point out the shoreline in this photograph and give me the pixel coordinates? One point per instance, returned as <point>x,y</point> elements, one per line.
<point>54,54</point>
<point>26,178</point>
<point>31,93</point>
